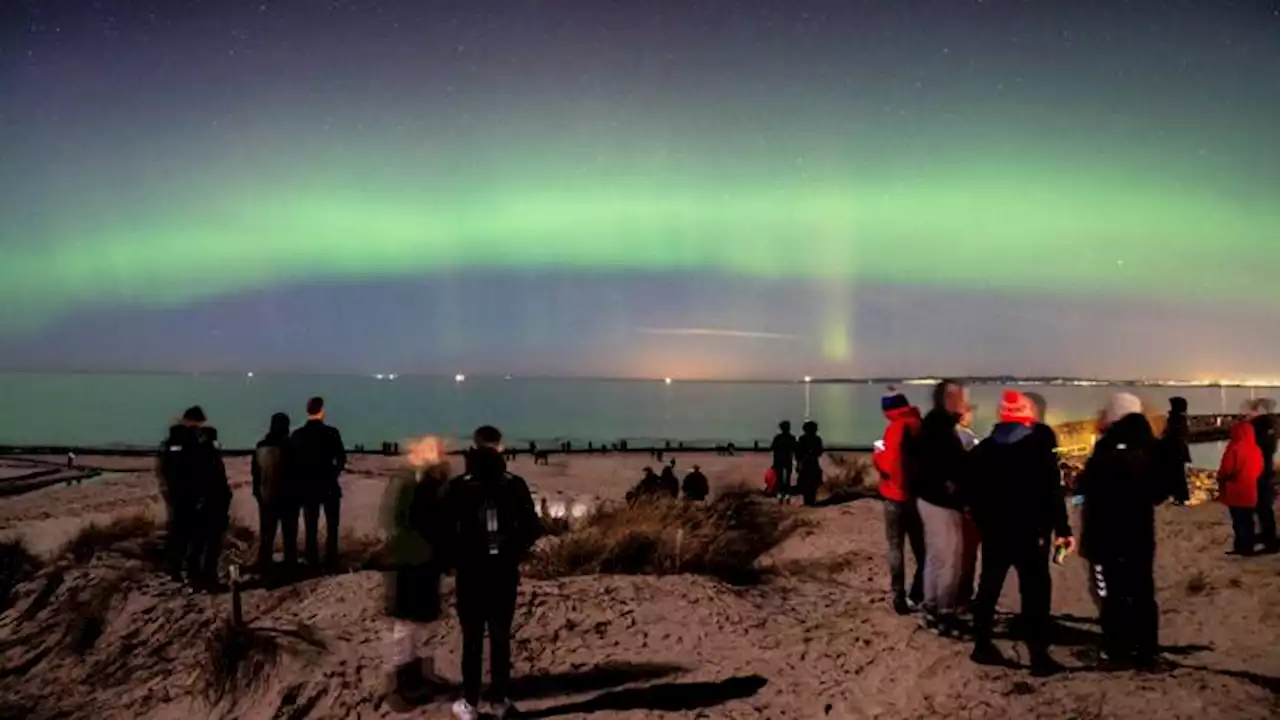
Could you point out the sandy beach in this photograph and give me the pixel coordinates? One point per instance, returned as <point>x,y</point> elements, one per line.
<point>818,639</point>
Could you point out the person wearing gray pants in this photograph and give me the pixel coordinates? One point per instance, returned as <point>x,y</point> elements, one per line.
<point>943,550</point>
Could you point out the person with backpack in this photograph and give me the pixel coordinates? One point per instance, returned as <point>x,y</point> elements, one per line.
<point>489,525</point>
<point>1017,500</point>
<point>317,458</point>
<point>194,479</point>
<point>900,517</point>
<point>783,448</point>
<point>411,516</point>
<point>277,506</point>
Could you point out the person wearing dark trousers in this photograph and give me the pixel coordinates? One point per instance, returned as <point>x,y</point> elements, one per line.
<point>809,452</point>
<point>1017,500</point>
<point>901,521</point>
<point>1122,483</point>
<point>489,525</point>
<point>695,486</point>
<point>1238,485</point>
<point>317,458</point>
<point>1264,427</point>
<point>1175,450</point>
<point>784,460</point>
<point>277,506</point>
<point>193,481</point>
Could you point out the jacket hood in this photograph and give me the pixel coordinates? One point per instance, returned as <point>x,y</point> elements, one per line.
<point>1008,433</point>
<point>485,462</point>
<point>1132,428</point>
<point>910,412</point>
<point>1243,432</point>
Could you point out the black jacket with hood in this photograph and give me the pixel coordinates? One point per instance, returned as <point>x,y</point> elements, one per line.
<point>937,463</point>
<point>488,516</point>
<point>1122,483</point>
<point>1016,486</point>
<point>190,466</point>
<point>1264,429</point>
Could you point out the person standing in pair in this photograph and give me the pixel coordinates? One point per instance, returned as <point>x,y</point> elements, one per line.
<point>784,460</point>
<point>317,458</point>
<point>809,451</point>
<point>277,504</point>
<point>1263,419</point>
<point>195,481</point>
<point>1017,501</point>
<point>1238,476</point>
<point>938,473</point>
<point>901,520</point>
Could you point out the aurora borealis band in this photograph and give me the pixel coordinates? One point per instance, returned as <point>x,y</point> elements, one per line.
<point>825,187</point>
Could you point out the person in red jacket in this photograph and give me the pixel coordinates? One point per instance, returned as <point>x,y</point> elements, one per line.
<point>1238,484</point>
<point>900,516</point>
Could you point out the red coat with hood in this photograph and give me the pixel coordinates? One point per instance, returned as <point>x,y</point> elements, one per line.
<point>889,459</point>
<point>1241,467</point>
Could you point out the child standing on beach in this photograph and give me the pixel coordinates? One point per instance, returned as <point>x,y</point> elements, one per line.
<point>410,514</point>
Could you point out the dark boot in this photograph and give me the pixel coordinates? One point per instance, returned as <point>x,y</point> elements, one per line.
<point>1043,664</point>
<point>985,653</point>
<point>900,605</point>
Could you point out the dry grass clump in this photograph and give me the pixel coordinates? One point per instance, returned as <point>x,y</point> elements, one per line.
<point>134,536</point>
<point>849,481</point>
<point>723,538</point>
<point>240,658</point>
<point>17,565</point>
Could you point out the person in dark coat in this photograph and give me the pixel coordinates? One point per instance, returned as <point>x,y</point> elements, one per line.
<point>784,460</point>
<point>1175,451</point>
<point>937,473</point>
<point>696,488</point>
<point>1017,501</point>
<point>809,451</point>
<point>317,458</point>
<point>411,516</point>
<point>1262,417</point>
<point>1122,483</point>
<point>670,483</point>
<point>489,525</point>
<point>277,504</point>
<point>195,481</point>
<point>650,486</point>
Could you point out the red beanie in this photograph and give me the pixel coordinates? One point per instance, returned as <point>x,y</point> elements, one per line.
<point>1017,408</point>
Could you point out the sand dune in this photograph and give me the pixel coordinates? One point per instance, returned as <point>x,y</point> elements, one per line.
<point>819,640</point>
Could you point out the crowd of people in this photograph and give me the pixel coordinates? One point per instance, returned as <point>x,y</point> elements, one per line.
<point>946,494</point>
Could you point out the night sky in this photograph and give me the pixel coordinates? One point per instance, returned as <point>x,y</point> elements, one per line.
<point>695,189</point>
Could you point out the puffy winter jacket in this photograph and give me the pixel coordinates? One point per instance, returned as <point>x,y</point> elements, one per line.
<point>889,456</point>
<point>1240,469</point>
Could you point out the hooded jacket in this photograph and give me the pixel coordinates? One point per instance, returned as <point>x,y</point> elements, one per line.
<point>1016,490</point>
<point>1121,483</point>
<point>190,467</point>
<point>938,464</point>
<point>488,515</point>
<point>889,458</point>
<point>1240,469</point>
<point>1176,455</point>
<point>1264,429</point>
<point>270,477</point>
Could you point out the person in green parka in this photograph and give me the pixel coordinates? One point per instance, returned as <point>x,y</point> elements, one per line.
<point>410,508</point>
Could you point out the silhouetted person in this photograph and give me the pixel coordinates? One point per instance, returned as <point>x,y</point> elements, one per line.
<point>194,480</point>
<point>277,501</point>
<point>783,448</point>
<point>901,520</point>
<point>490,524</point>
<point>809,452</point>
<point>1122,483</point>
<point>1264,428</point>
<point>1017,501</point>
<point>670,484</point>
<point>649,486</point>
<point>938,471</point>
<point>1175,452</point>
<point>696,487</point>
<point>317,458</point>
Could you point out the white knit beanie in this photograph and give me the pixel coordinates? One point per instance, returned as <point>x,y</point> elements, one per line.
<point>1121,405</point>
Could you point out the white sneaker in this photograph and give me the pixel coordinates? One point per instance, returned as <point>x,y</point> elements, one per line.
<point>464,710</point>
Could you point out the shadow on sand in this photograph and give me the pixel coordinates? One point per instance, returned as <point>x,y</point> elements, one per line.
<point>665,697</point>
<point>600,677</point>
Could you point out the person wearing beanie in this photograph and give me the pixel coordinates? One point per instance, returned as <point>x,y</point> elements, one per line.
<point>784,460</point>
<point>1122,483</point>
<point>1017,500</point>
<point>938,475</point>
<point>1262,417</point>
<point>901,520</point>
<point>193,479</point>
<point>1175,451</point>
<point>1238,475</point>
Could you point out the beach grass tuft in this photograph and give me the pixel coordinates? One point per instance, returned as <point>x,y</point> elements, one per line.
<point>17,565</point>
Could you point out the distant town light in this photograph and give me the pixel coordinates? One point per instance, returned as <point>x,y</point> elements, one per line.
<point>249,374</point>
<point>379,376</point>
<point>392,376</point>
<point>667,380</point>
<point>808,379</point>
<point>459,378</point>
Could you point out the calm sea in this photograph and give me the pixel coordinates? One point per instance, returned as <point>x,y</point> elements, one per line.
<point>134,410</point>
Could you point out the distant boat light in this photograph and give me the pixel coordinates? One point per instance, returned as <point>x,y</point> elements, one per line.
<point>459,378</point>
<point>249,374</point>
<point>808,379</point>
<point>667,380</point>
<point>392,376</point>
<point>379,376</point>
